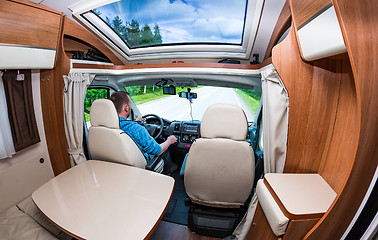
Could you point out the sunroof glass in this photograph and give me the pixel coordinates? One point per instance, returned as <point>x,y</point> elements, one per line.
<point>142,23</point>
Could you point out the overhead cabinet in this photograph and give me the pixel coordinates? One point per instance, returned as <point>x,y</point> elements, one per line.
<point>32,42</point>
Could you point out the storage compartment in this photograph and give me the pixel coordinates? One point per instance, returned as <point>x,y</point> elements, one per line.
<point>214,222</point>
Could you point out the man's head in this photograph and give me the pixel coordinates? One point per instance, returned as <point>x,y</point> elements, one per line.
<point>121,102</point>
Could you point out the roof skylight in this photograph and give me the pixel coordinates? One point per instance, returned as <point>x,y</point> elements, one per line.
<point>173,29</point>
<point>170,22</point>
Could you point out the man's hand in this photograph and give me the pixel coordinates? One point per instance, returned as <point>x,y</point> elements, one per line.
<point>165,145</point>
<point>139,119</point>
<point>172,139</point>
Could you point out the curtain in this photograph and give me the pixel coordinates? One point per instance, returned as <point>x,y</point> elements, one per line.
<point>275,126</point>
<point>275,121</point>
<point>75,87</point>
<point>20,105</point>
<point>6,140</point>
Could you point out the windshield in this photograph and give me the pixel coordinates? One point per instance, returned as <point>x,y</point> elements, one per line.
<point>151,100</point>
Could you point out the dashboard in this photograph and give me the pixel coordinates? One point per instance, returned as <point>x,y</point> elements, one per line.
<point>186,133</point>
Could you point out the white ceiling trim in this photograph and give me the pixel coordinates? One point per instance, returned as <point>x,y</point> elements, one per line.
<point>176,70</point>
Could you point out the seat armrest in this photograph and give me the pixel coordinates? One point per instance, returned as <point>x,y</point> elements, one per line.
<point>155,164</point>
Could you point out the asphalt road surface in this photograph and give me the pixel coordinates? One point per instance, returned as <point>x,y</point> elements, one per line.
<point>176,108</point>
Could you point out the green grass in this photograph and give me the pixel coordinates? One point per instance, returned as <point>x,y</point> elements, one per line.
<point>251,99</point>
<point>147,97</point>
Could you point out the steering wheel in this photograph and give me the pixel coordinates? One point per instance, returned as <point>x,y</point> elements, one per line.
<point>151,128</point>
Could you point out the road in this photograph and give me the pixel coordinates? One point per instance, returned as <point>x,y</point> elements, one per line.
<point>175,108</point>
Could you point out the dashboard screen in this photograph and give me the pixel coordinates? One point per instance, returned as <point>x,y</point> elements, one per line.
<point>191,128</point>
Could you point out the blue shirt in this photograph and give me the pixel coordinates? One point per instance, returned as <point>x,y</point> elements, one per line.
<point>140,135</point>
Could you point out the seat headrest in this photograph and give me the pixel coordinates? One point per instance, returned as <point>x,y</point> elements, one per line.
<point>104,113</point>
<point>223,120</point>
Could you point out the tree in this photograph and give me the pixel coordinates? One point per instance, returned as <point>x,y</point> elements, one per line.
<point>157,36</point>
<point>133,33</point>
<point>146,36</point>
<point>118,26</point>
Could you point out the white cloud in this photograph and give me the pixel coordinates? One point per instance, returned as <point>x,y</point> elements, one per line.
<point>175,35</point>
<point>166,12</point>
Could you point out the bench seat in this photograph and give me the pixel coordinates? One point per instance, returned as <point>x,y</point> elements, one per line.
<point>25,221</point>
<point>15,224</point>
<point>276,219</point>
<point>287,198</point>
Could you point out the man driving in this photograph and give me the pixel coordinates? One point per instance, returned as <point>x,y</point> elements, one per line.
<point>137,132</point>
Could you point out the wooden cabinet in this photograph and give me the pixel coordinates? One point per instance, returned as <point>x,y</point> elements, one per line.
<point>28,25</point>
<point>29,35</point>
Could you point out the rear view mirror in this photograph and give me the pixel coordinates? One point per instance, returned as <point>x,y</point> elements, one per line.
<point>170,90</point>
<point>183,94</point>
<point>188,95</point>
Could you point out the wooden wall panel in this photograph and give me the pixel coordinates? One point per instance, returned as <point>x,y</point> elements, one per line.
<point>297,229</point>
<point>302,10</point>
<point>76,31</point>
<point>338,158</point>
<point>314,90</point>
<point>323,116</point>
<point>260,228</point>
<point>52,108</point>
<point>359,27</point>
<point>349,155</point>
<point>26,25</point>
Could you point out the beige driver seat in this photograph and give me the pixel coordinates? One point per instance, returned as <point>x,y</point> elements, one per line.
<point>109,143</point>
<point>220,167</point>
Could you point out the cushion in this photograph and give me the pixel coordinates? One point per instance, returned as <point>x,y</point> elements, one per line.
<point>16,225</point>
<point>28,207</point>
<point>104,113</point>
<point>223,120</point>
<point>277,220</point>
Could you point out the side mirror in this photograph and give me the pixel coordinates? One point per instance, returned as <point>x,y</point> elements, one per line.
<point>170,90</point>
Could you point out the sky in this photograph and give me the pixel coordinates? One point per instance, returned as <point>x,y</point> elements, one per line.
<point>185,20</point>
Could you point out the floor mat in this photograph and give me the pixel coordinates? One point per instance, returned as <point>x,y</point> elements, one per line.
<point>176,211</point>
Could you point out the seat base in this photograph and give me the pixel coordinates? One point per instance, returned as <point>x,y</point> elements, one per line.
<point>214,222</point>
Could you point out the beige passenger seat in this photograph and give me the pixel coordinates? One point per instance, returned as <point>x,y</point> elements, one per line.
<point>219,171</point>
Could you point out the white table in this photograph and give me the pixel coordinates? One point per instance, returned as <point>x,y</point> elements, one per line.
<point>102,200</point>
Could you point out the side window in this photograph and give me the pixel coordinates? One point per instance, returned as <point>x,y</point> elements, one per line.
<point>249,100</point>
<point>93,94</point>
